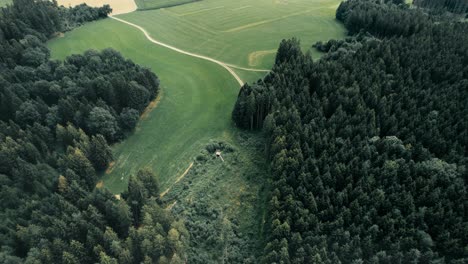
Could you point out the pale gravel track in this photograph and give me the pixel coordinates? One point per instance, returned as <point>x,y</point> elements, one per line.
<point>226,66</point>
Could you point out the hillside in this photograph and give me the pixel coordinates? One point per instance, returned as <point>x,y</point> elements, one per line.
<point>213,131</point>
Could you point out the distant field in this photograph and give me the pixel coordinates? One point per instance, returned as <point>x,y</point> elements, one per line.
<point>118,6</point>
<point>4,2</point>
<point>242,32</point>
<point>154,4</point>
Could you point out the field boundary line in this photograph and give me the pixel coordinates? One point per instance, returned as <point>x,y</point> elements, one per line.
<point>240,8</point>
<point>220,63</point>
<point>262,22</point>
<point>246,69</point>
<point>199,11</point>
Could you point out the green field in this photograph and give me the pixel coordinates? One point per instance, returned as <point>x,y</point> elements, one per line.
<point>4,2</point>
<point>197,96</point>
<point>244,32</point>
<point>154,4</point>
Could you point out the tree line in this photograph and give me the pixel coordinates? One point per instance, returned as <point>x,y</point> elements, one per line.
<point>57,119</point>
<point>455,6</point>
<point>367,146</point>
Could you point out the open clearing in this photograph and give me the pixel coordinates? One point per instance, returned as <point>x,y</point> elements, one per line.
<point>4,2</point>
<point>198,95</point>
<point>118,6</point>
<point>238,79</point>
<point>231,30</point>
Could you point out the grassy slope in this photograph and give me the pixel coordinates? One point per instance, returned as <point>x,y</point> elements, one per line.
<point>234,31</point>
<point>154,4</point>
<point>197,98</point>
<point>4,2</point>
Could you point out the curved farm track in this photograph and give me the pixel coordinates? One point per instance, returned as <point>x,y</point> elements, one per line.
<point>228,67</point>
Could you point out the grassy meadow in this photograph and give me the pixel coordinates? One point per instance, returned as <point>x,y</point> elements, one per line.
<point>155,4</point>
<point>4,2</point>
<point>243,32</point>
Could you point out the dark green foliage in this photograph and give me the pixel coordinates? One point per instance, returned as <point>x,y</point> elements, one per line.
<point>368,146</point>
<point>128,118</point>
<point>455,6</point>
<point>102,121</point>
<point>141,187</point>
<point>95,91</point>
<point>221,146</point>
<point>381,19</point>
<point>77,15</point>
<point>288,49</point>
<point>252,107</point>
<point>55,121</point>
<point>100,153</point>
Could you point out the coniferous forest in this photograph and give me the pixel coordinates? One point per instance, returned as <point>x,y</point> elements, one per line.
<point>57,120</point>
<point>367,146</point>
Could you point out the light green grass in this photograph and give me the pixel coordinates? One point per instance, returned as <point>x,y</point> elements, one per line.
<point>197,99</point>
<point>5,2</point>
<point>155,4</point>
<point>234,31</point>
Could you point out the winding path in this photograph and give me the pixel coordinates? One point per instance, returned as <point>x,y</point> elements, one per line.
<point>226,66</point>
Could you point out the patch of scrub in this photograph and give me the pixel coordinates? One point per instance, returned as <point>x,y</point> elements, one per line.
<point>256,57</point>
<point>110,168</point>
<point>178,179</point>
<point>118,6</point>
<point>100,184</point>
<point>222,202</point>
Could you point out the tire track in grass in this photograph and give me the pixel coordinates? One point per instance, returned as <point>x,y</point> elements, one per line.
<point>178,179</point>
<point>226,66</point>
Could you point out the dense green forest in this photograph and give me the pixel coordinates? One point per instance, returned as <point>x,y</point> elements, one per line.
<point>367,146</point>
<point>56,120</point>
<point>455,6</point>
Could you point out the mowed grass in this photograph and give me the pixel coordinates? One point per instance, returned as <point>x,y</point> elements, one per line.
<point>197,99</point>
<point>244,32</point>
<point>154,4</point>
